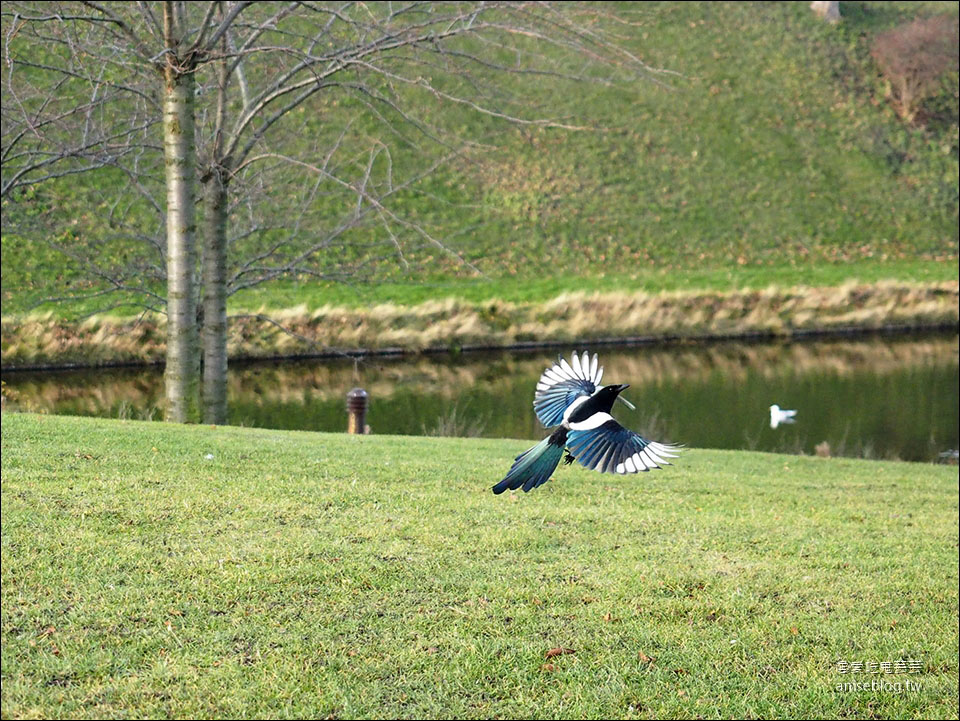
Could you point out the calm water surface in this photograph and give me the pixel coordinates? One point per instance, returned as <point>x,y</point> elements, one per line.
<point>886,398</point>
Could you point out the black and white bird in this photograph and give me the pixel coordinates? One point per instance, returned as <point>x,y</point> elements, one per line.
<point>569,396</point>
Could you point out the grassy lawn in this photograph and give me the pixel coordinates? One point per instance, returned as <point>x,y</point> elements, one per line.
<point>159,570</point>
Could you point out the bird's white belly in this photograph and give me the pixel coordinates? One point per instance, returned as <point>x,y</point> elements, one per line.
<point>594,421</point>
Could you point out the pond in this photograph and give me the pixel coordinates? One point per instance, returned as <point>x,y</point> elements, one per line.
<point>877,397</point>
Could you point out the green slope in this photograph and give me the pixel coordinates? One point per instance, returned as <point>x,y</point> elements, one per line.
<point>772,154</point>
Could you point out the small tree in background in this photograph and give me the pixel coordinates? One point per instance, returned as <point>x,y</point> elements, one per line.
<point>829,11</point>
<point>913,58</point>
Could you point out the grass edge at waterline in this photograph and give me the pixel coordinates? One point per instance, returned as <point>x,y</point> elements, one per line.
<point>454,324</point>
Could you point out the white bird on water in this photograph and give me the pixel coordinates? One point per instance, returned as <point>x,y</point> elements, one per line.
<point>778,416</point>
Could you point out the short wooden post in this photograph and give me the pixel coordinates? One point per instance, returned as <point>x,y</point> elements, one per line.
<point>357,410</point>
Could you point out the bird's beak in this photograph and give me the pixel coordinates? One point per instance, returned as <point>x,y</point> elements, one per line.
<point>620,398</point>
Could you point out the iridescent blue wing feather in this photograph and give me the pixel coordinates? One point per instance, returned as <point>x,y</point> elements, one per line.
<point>562,383</point>
<point>611,448</point>
<point>534,467</point>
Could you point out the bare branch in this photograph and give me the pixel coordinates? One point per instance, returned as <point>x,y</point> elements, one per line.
<point>122,26</point>
<point>224,25</point>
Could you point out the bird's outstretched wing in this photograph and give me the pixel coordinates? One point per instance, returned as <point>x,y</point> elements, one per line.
<point>611,448</point>
<point>562,383</point>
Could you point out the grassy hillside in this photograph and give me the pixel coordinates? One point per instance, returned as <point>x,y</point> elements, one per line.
<point>159,570</point>
<point>772,154</point>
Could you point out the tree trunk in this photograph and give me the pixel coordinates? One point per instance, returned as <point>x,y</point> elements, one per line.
<point>182,374</point>
<point>215,301</point>
<point>215,260</point>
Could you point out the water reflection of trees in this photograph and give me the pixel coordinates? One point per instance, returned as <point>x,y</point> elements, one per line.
<point>104,392</point>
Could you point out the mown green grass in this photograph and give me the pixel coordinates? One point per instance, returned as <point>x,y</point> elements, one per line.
<point>289,294</point>
<point>302,574</point>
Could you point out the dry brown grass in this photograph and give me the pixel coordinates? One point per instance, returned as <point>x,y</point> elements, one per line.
<point>452,323</point>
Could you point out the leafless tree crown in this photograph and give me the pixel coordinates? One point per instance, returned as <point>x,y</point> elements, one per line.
<point>914,57</point>
<point>297,129</point>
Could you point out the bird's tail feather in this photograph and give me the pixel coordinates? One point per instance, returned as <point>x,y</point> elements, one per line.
<point>533,467</point>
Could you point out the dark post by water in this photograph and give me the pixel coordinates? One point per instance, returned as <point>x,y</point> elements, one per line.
<point>357,410</point>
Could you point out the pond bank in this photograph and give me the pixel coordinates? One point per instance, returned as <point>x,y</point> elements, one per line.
<point>40,341</point>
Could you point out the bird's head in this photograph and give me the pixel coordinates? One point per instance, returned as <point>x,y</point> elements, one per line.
<point>607,395</point>
<point>614,390</point>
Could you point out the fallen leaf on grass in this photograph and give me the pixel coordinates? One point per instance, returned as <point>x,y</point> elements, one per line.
<point>547,667</point>
<point>644,658</point>
<point>559,651</point>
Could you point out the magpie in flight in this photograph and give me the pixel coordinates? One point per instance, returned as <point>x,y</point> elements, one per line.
<point>569,395</point>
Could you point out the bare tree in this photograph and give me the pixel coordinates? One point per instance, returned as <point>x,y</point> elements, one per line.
<point>914,58</point>
<point>233,89</point>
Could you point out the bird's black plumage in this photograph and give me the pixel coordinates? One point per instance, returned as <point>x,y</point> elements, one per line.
<point>570,397</point>
<point>601,401</point>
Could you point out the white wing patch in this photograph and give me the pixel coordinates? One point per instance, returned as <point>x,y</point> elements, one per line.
<point>650,457</point>
<point>582,368</point>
